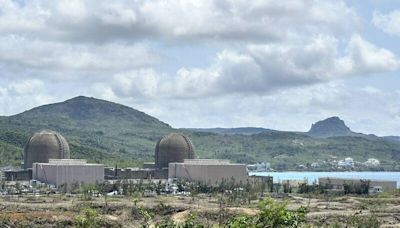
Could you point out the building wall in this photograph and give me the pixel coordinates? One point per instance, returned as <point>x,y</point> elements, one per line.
<point>112,173</point>
<point>386,185</point>
<point>59,174</point>
<point>211,174</point>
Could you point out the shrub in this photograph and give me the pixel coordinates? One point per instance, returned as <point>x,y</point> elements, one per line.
<point>272,214</point>
<point>88,219</point>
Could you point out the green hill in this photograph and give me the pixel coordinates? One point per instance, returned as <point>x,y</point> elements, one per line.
<point>98,130</point>
<point>110,133</point>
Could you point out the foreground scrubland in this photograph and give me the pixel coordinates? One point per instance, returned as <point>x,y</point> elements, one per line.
<point>282,210</point>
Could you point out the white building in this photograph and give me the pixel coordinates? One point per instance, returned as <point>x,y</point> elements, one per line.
<point>67,171</point>
<point>372,162</point>
<point>208,171</point>
<point>346,163</point>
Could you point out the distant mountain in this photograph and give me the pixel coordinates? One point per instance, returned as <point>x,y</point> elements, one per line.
<point>392,138</point>
<point>330,127</point>
<point>90,109</point>
<point>232,131</point>
<point>110,133</point>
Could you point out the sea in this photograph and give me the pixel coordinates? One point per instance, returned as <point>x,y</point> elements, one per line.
<point>312,177</point>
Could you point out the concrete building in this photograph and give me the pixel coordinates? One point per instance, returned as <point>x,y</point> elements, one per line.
<point>45,145</point>
<point>135,173</point>
<point>338,184</point>
<point>67,171</point>
<point>174,147</point>
<point>208,171</point>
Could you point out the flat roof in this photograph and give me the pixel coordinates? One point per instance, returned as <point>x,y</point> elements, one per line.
<point>354,179</point>
<point>67,164</point>
<point>206,161</point>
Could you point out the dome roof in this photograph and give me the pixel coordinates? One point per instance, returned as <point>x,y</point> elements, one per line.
<point>45,145</point>
<point>174,147</point>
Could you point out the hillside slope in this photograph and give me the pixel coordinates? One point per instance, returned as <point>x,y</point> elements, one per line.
<point>98,130</point>
<point>110,133</point>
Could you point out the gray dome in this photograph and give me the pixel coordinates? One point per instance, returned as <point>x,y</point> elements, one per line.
<point>45,145</point>
<point>173,148</point>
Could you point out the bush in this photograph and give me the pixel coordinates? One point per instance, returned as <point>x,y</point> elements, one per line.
<point>272,214</point>
<point>88,219</point>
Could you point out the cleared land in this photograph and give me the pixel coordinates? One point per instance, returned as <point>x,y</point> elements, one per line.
<point>72,210</point>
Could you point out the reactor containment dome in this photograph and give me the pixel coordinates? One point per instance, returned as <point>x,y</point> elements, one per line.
<point>174,147</point>
<point>45,145</point>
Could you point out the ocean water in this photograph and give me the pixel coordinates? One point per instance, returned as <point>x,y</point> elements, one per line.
<point>312,177</point>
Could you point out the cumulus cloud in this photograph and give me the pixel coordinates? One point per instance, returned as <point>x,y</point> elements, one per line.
<point>262,69</point>
<point>389,23</point>
<point>99,21</point>
<point>20,95</point>
<point>38,54</point>
<point>25,87</point>
<point>139,83</point>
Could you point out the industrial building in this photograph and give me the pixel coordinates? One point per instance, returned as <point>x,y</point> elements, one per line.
<point>208,171</point>
<point>46,159</point>
<point>375,186</point>
<point>173,147</point>
<point>68,171</point>
<point>45,145</point>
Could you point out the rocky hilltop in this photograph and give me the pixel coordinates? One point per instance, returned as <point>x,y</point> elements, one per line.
<point>330,127</point>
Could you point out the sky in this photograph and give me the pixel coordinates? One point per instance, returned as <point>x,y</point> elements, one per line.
<point>211,63</point>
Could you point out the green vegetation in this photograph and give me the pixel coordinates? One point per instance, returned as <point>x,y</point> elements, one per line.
<point>272,214</point>
<point>110,133</point>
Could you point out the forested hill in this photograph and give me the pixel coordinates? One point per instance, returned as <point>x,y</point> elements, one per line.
<point>96,129</point>
<point>106,132</point>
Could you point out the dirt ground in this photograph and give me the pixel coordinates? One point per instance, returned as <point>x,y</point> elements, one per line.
<point>64,210</point>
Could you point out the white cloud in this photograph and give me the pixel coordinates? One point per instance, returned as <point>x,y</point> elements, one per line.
<point>20,95</point>
<point>28,53</point>
<point>95,21</point>
<point>389,23</point>
<point>364,57</point>
<point>25,87</point>
<point>139,83</point>
<point>262,69</point>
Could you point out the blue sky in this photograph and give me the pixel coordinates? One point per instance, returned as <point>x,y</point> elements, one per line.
<point>212,63</point>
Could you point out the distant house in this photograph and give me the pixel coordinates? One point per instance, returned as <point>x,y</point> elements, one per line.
<point>372,162</point>
<point>339,185</point>
<point>315,165</point>
<point>346,163</point>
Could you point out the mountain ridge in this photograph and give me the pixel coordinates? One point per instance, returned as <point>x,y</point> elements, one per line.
<point>110,133</point>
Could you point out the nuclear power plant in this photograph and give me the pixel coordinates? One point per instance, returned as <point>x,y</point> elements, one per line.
<point>173,148</point>
<point>47,159</point>
<point>45,145</point>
